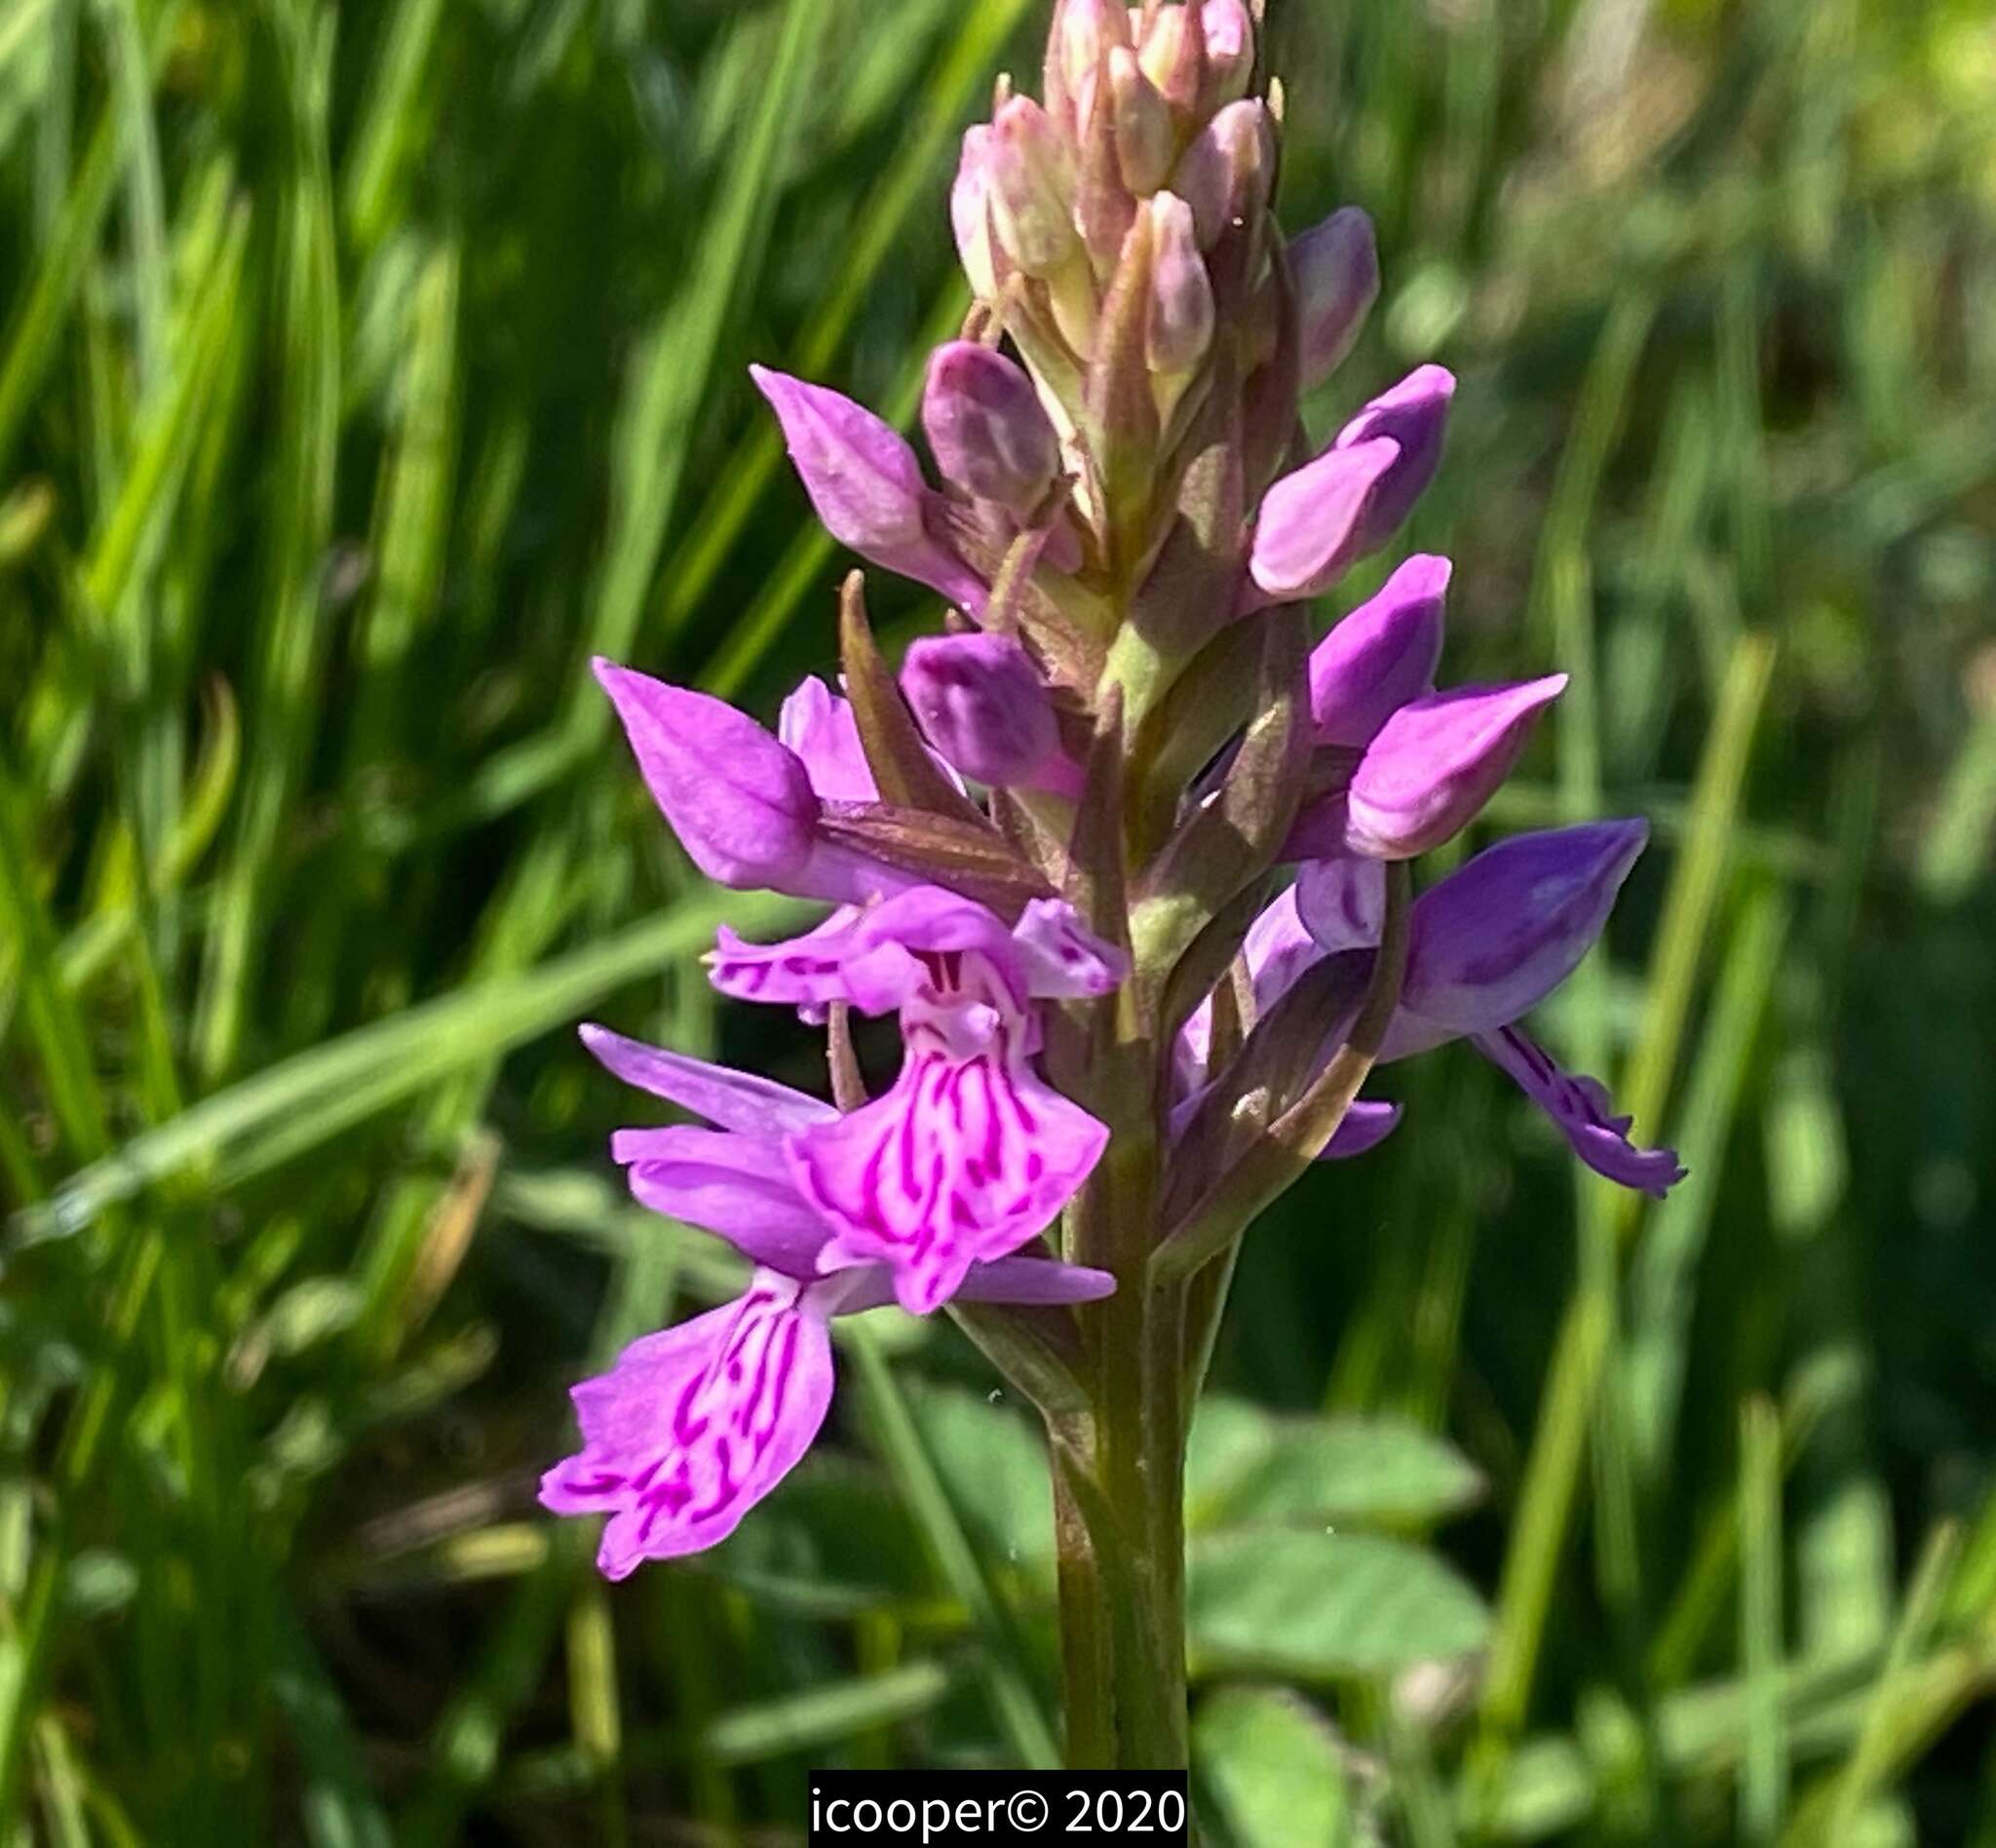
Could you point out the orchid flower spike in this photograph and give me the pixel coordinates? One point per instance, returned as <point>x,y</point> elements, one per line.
<point>1120,717</point>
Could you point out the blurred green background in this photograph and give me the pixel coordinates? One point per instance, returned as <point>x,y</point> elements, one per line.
<point>365,367</point>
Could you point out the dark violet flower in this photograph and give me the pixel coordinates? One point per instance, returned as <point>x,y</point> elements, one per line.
<point>1580,1111</point>
<point>1380,656</point>
<point>1340,902</point>
<point>1485,947</point>
<point>1494,938</point>
<point>990,434</point>
<point>983,705</point>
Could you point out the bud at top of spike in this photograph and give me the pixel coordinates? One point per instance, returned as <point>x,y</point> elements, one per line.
<point>1032,187</point>
<point>1163,54</point>
<point>1490,941</point>
<point>1224,175</point>
<point>985,423</point>
<point>1146,141</point>
<point>970,212</point>
<point>1182,307</point>
<point>1336,269</point>
<point>1436,761</point>
<point>739,801</point>
<point>1082,30</point>
<point>1380,656</point>
<point>982,706</point>
<point>1229,52</point>
<point>1103,207</point>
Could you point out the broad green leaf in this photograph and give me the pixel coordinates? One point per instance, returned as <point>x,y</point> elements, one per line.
<point>1271,1771</point>
<point>1248,1468</point>
<point>1321,1606</point>
<point>832,1542</point>
<point>993,1461</point>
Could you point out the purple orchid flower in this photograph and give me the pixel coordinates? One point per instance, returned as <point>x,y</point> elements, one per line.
<point>695,1424</point>
<point>1486,945</point>
<point>748,807</point>
<point>1109,437</point>
<point>867,485</point>
<point>971,1153</point>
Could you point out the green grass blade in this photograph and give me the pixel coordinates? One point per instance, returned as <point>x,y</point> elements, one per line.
<point>300,1102</point>
<point>1764,1763</point>
<point>1014,1703</point>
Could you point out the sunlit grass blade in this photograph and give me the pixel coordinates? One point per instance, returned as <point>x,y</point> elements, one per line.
<point>282,708</point>
<point>1764,1762</point>
<point>1014,1703</point>
<point>1894,1710</point>
<point>296,1104</point>
<point>1662,1276</point>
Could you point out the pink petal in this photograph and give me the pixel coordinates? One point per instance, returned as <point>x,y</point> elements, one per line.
<point>726,1182</point>
<point>695,1425</point>
<point>963,1162</point>
<point>734,1100</point>
<point>807,971</point>
<point>818,726</point>
<point>1580,1111</point>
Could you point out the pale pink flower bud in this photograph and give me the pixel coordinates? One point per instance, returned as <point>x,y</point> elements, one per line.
<point>1182,307</point>
<point>970,212</point>
<point>1032,187</point>
<point>1229,51</point>
<point>1146,143</point>
<point>1224,176</point>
